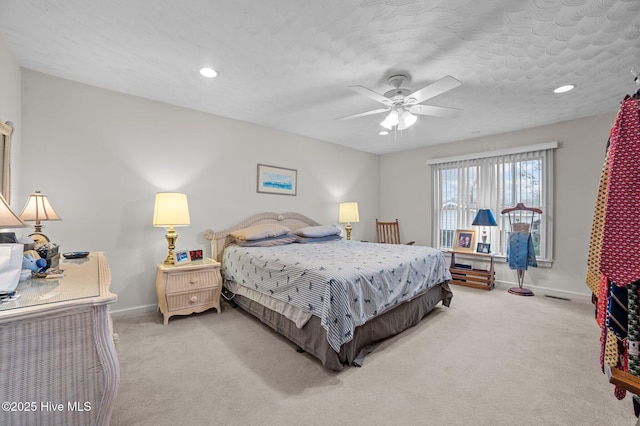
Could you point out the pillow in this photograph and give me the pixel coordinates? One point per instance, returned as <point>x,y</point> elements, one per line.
<point>258,232</point>
<point>304,240</point>
<point>269,242</point>
<point>318,231</point>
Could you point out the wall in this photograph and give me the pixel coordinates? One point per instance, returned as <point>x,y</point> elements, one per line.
<point>10,111</point>
<point>405,192</point>
<point>101,156</point>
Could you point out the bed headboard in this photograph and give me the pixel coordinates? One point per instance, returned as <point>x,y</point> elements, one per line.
<point>220,239</point>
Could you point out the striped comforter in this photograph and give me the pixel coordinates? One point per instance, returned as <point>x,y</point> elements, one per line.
<point>345,283</point>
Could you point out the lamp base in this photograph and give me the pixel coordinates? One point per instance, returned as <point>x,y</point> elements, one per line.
<point>171,237</point>
<point>348,228</point>
<point>39,239</point>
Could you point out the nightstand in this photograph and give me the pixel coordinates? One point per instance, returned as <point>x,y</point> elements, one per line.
<point>473,277</point>
<point>187,289</point>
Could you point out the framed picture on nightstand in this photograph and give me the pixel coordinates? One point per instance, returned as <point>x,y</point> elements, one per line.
<point>464,240</point>
<point>182,257</point>
<point>484,248</point>
<point>195,255</point>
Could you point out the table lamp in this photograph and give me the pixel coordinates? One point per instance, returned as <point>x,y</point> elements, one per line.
<point>171,209</point>
<point>38,209</point>
<point>8,219</point>
<point>348,213</point>
<point>484,218</point>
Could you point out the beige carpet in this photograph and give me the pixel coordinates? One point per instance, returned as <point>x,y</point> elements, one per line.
<point>492,358</point>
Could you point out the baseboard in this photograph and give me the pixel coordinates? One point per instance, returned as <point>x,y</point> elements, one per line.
<point>545,291</point>
<point>136,310</point>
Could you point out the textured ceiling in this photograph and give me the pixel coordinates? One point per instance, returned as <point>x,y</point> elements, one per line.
<point>287,64</point>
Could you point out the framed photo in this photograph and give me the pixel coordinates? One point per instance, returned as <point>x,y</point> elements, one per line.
<point>464,240</point>
<point>484,248</point>
<point>277,180</point>
<point>195,255</point>
<point>182,257</point>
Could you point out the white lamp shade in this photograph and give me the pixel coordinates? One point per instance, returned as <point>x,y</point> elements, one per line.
<point>391,120</point>
<point>348,213</point>
<point>408,119</point>
<point>8,218</point>
<point>38,208</point>
<point>171,209</point>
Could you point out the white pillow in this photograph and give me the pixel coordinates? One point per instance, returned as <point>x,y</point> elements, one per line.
<point>318,231</point>
<point>258,232</point>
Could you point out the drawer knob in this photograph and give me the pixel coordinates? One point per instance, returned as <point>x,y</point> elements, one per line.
<point>193,280</point>
<point>194,299</point>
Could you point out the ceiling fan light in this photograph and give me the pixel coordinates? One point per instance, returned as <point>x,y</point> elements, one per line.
<point>391,120</point>
<point>406,120</point>
<point>409,119</point>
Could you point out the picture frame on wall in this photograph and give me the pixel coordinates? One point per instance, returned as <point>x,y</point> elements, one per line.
<point>277,180</point>
<point>464,240</point>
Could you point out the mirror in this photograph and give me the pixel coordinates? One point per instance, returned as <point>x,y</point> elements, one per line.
<point>5,156</point>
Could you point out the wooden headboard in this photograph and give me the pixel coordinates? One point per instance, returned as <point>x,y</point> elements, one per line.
<point>220,239</point>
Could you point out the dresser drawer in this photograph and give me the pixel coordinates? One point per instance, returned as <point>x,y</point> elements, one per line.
<point>186,281</point>
<point>185,300</point>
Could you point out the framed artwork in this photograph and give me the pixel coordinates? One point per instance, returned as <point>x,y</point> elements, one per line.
<point>277,180</point>
<point>5,158</point>
<point>464,240</point>
<point>195,255</point>
<point>182,257</point>
<point>484,248</point>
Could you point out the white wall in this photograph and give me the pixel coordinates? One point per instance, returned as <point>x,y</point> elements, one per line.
<point>10,111</point>
<point>101,156</point>
<point>405,192</point>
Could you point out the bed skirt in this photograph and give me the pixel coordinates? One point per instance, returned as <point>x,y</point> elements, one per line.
<point>312,338</point>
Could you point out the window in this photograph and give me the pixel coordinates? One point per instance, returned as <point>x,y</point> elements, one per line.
<point>495,181</point>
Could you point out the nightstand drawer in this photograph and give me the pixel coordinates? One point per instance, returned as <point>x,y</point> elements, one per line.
<point>184,300</point>
<point>186,281</point>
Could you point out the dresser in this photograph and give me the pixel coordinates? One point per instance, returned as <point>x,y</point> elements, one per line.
<point>187,289</point>
<point>58,363</point>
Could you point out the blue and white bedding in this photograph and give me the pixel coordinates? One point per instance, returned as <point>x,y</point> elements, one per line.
<point>345,283</point>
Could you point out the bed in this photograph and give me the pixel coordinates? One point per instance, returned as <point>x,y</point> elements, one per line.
<point>336,300</point>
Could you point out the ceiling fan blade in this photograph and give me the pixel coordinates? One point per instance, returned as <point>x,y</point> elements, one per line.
<point>363,114</point>
<point>371,94</point>
<point>435,111</point>
<point>434,89</point>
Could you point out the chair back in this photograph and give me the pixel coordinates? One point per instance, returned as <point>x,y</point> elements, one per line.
<point>388,232</point>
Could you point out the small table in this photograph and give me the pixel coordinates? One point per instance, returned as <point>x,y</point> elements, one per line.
<point>473,277</point>
<point>187,289</point>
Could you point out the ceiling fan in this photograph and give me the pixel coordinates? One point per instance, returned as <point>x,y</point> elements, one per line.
<point>402,104</point>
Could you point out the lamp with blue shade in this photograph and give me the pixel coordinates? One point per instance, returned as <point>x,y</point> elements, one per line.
<point>484,218</point>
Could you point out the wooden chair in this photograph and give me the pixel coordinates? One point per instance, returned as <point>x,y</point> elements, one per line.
<point>389,232</point>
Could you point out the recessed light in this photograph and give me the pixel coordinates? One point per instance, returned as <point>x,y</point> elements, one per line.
<point>209,72</point>
<point>383,133</point>
<point>563,89</point>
